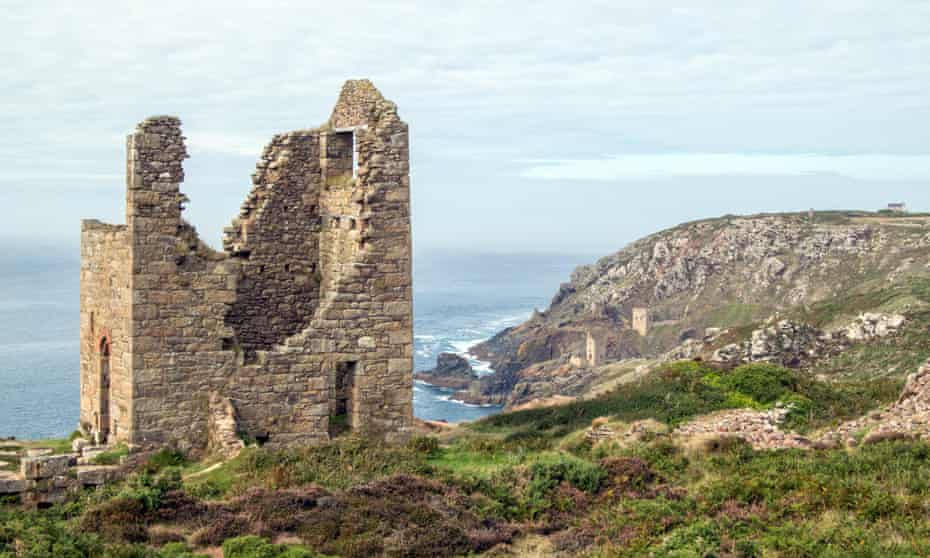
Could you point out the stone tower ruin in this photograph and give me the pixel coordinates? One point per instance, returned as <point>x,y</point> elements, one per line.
<point>641,321</point>
<point>301,327</point>
<point>594,350</point>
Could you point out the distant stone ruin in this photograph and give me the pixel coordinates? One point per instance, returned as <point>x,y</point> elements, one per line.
<point>641,321</point>
<point>299,330</point>
<point>594,350</point>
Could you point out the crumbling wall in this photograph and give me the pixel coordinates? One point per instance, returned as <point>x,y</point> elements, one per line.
<point>375,283</point>
<point>641,323</point>
<point>277,239</point>
<point>181,290</point>
<point>105,300</point>
<point>315,278</point>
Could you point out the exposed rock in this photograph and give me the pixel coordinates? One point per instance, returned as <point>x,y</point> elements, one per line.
<point>452,371</point>
<point>790,344</point>
<point>96,475</point>
<point>871,325</point>
<point>759,428</point>
<point>14,485</point>
<point>710,276</point>
<point>906,417</point>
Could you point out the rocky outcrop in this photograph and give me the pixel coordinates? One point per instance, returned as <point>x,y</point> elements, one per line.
<point>452,372</point>
<point>869,326</point>
<point>792,344</point>
<point>909,416</point>
<point>45,478</point>
<point>721,272</point>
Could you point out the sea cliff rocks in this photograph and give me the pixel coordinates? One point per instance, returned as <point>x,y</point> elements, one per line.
<point>452,371</point>
<point>722,273</point>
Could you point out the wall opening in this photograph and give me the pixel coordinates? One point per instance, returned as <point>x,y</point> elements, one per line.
<point>103,417</point>
<point>342,153</point>
<point>343,407</point>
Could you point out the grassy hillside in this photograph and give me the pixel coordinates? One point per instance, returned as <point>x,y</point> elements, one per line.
<point>528,484</point>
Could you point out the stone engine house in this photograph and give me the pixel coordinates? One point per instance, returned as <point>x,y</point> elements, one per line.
<point>301,327</point>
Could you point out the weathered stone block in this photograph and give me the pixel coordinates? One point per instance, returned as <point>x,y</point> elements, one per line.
<point>15,486</point>
<point>46,466</point>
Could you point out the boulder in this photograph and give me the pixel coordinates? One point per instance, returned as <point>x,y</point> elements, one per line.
<point>452,371</point>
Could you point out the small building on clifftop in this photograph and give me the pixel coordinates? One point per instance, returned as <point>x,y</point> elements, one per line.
<point>301,328</point>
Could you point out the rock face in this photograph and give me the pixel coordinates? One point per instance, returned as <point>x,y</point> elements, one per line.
<point>790,344</point>
<point>452,371</point>
<point>46,467</point>
<point>871,325</point>
<point>713,275</point>
<point>708,274</point>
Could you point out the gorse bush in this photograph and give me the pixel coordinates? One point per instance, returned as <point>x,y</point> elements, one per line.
<point>764,383</point>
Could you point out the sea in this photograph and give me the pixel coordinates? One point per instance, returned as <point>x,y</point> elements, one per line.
<point>460,299</point>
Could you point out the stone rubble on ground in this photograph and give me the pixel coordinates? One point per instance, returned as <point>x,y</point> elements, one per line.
<point>45,478</point>
<point>909,417</point>
<point>759,428</point>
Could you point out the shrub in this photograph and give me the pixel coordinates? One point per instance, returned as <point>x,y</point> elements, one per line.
<point>249,547</point>
<point>765,383</point>
<point>121,519</point>
<point>165,458</point>
<point>178,550</point>
<point>426,445</point>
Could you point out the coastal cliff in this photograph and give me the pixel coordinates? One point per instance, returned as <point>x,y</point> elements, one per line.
<point>702,286</point>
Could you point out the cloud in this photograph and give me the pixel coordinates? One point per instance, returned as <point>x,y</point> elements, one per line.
<point>665,165</point>
<point>481,83</point>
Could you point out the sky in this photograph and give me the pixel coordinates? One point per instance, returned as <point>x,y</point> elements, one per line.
<point>535,126</point>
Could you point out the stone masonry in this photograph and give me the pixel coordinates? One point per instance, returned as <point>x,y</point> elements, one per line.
<point>594,350</point>
<point>301,326</point>
<point>641,321</point>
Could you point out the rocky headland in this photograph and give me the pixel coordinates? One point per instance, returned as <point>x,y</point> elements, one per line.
<point>732,289</point>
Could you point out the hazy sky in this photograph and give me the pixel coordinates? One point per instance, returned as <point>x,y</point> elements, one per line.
<point>534,125</point>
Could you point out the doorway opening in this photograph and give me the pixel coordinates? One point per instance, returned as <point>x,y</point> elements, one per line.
<point>103,418</point>
<point>343,409</point>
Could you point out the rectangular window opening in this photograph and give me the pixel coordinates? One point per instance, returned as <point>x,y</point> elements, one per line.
<point>343,403</point>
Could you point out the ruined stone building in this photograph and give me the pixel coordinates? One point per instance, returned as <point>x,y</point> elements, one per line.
<point>641,323</point>
<point>594,350</point>
<point>301,326</point>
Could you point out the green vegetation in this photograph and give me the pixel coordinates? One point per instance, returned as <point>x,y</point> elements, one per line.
<point>113,456</point>
<point>681,391</point>
<point>527,474</point>
<point>256,547</point>
<point>737,314</point>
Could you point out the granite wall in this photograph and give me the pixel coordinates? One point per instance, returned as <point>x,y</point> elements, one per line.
<point>314,281</point>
